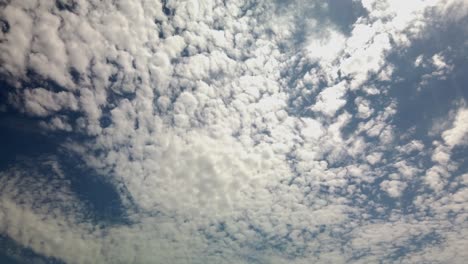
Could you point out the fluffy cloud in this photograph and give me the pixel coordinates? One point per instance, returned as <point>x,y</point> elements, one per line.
<point>457,134</point>
<point>393,188</point>
<point>331,99</point>
<point>226,138</point>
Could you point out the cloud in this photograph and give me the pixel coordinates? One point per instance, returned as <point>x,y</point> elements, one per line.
<point>331,99</point>
<point>457,134</point>
<point>393,188</point>
<point>225,140</point>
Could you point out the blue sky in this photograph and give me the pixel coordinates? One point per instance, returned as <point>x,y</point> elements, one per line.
<point>233,131</point>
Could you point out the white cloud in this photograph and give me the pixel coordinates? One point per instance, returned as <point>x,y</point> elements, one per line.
<point>458,133</point>
<point>363,107</point>
<point>418,60</point>
<point>42,102</point>
<point>374,158</point>
<point>325,49</point>
<point>202,137</point>
<point>393,188</point>
<point>330,100</point>
<point>413,146</point>
<point>366,60</point>
<point>17,40</point>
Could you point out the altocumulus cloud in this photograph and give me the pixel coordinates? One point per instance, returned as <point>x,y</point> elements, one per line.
<point>239,131</point>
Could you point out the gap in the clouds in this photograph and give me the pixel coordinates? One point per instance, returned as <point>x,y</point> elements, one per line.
<point>119,86</point>
<point>23,140</point>
<point>101,197</point>
<point>349,129</point>
<point>262,241</point>
<point>105,120</point>
<point>4,25</point>
<point>380,205</point>
<point>415,244</point>
<point>250,5</point>
<point>460,155</point>
<point>298,100</point>
<point>376,203</point>
<point>419,105</point>
<point>33,81</point>
<point>36,80</point>
<point>12,252</point>
<point>75,75</point>
<point>20,136</point>
<point>317,17</point>
<point>66,5</point>
<point>166,8</point>
<point>114,97</point>
<point>345,13</point>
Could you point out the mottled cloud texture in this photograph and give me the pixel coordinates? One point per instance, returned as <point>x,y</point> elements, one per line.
<point>239,131</point>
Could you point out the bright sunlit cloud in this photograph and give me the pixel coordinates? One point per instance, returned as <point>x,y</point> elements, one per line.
<point>233,131</point>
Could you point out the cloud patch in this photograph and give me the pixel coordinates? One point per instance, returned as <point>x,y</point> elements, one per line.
<point>225,140</point>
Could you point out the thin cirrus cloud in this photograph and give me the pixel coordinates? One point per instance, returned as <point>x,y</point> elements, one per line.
<point>235,132</point>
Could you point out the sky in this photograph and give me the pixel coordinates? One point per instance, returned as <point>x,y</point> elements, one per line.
<point>256,131</point>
